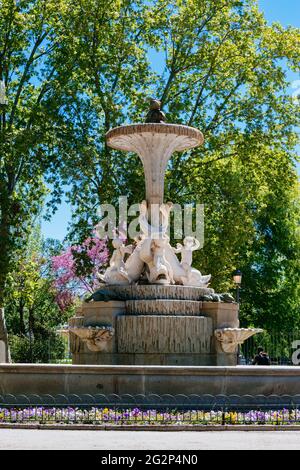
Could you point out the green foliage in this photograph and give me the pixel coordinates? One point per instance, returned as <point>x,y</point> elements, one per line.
<point>32,313</point>
<point>43,349</point>
<point>30,124</point>
<point>225,72</point>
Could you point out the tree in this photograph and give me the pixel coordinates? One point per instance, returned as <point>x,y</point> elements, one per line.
<point>272,267</point>
<point>32,312</point>
<point>109,85</point>
<point>30,124</point>
<point>76,270</point>
<point>78,68</point>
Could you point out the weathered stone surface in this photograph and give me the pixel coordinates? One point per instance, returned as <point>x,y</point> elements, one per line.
<point>156,325</point>
<point>153,292</point>
<point>96,338</point>
<point>4,348</point>
<point>163,307</point>
<point>228,339</point>
<point>224,315</point>
<point>102,313</point>
<point>154,341</point>
<point>76,345</point>
<point>163,334</point>
<point>93,379</point>
<point>154,143</point>
<point>154,359</point>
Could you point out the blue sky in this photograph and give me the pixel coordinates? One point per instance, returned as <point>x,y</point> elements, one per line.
<point>287,12</point>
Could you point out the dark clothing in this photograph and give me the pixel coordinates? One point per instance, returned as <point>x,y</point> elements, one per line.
<point>262,359</point>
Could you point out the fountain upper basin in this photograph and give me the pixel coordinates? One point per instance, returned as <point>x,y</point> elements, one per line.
<point>128,137</point>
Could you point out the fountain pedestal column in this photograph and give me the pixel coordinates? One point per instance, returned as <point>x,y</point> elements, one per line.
<point>157,325</point>
<point>154,144</point>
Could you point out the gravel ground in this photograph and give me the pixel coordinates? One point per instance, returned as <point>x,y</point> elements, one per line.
<point>133,440</point>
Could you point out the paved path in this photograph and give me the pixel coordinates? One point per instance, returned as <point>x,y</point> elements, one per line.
<point>124,440</point>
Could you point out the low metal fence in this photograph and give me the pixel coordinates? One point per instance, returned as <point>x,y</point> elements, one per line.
<point>151,409</point>
<point>281,348</point>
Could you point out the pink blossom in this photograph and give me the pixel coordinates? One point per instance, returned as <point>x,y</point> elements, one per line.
<point>67,282</point>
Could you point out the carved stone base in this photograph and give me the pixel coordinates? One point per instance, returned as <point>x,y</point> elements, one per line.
<point>154,325</point>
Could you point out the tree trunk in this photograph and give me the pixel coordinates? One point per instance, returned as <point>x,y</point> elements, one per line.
<point>31,320</point>
<point>4,251</point>
<point>21,318</point>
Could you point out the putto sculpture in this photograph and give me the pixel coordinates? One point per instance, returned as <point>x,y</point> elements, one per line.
<point>153,257</point>
<point>116,272</point>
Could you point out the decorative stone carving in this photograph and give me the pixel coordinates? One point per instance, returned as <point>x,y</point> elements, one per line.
<point>190,244</point>
<point>96,338</point>
<point>230,338</point>
<point>154,250</point>
<point>160,270</point>
<point>154,144</point>
<point>161,307</point>
<point>164,307</point>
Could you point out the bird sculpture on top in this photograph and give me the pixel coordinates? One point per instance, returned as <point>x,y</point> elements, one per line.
<point>155,115</point>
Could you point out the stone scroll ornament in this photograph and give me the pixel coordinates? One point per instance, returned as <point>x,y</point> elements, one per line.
<point>153,256</point>
<point>230,338</point>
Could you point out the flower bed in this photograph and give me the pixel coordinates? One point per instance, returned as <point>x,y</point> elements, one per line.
<point>137,416</point>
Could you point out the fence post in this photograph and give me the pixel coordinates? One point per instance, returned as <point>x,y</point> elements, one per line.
<point>4,347</point>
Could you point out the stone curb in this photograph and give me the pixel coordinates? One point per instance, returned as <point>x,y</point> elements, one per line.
<point>199,428</point>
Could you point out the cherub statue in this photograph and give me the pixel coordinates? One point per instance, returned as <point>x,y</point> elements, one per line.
<point>117,259</point>
<point>190,244</point>
<point>155,114</point>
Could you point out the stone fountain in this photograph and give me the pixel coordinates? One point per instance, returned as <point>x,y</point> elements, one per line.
<point>154,308</point>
